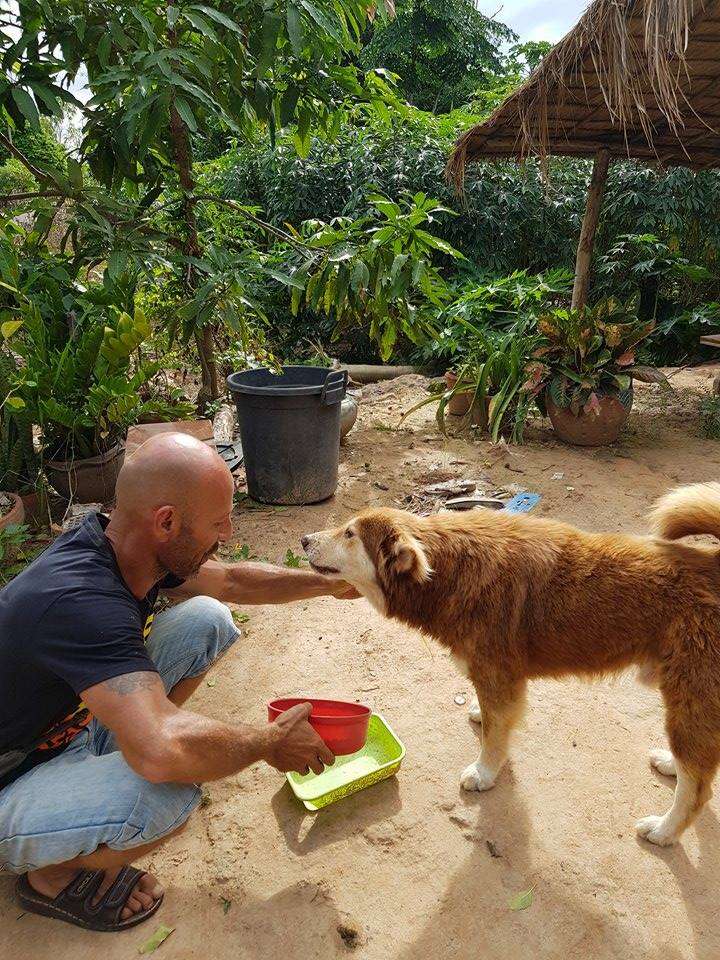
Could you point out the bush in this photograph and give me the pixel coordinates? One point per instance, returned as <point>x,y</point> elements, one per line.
<point>16,178</point>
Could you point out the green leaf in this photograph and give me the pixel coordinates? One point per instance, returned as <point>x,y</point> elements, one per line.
<point>437,244</point>
<point>288,103</point>
<point>26,105</point>
<point>322,20</point>
<point>218,17</point>
<point>521,901</point>
<point>200,23</point>
<point>160,935</point>
<point>185,111</point>
<point>9,327</point>
<point>172,14</point>
<point>75,175</point>
<point>295,30</point>
<point>15,403</point>
<point>103,50</point>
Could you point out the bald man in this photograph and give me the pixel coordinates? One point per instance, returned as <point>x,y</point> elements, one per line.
<point>99,759</point>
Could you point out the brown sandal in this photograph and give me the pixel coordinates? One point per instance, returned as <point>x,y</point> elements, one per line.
<point>74,904</point>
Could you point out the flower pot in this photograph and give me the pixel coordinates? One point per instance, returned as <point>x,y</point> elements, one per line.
<point>87,481</point>
<point>16,513</point>
<point>589,429</point>
<point>459,403</point>
<point>36,508</point>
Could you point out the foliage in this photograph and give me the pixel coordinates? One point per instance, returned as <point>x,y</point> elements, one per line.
<point>80,376</point>
<point>377,269</point>
<point>14,556</point>
<point>709,411</point>
<point>499,303</point>
<point>38,143</point>
<point>159,75</point>
<point>586,354</point>
<point>441,50</point>
<point>16,178</point>
<point>492,371</point>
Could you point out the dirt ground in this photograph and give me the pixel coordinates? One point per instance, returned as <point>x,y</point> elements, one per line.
<point>404,870</point>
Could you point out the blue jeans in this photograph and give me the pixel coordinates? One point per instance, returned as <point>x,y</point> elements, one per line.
<point>88,795</point>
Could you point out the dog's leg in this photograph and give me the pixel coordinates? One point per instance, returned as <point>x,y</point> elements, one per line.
<point>664,762</point>
<point>691,793</point>
<point>499,717</point>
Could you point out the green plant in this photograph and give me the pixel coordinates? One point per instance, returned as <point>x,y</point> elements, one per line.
<point>14,556</point>
<point>293,560</point>
<point>709,412</point>
<point>492,371</point>
<point>586,354</point>
<point>376,271</point>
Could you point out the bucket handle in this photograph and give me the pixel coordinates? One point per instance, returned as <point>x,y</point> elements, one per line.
<point>334,388</point>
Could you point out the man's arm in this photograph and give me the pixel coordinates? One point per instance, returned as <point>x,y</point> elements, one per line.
<point>252,583</point>
<point>163,743</point>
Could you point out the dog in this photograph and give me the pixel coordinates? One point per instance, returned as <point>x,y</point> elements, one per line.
<point>515,597</point>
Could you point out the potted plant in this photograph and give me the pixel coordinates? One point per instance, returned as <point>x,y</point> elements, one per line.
<point>582,371</point>
<point>492,374</point>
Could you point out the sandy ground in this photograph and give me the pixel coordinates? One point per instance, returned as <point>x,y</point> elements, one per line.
<point>404,869</point>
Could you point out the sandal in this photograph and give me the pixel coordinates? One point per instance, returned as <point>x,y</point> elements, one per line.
<point>75,905</point>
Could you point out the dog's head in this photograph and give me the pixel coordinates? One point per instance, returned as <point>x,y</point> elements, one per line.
<point>372,552</point>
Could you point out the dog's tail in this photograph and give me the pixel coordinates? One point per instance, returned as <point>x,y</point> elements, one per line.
<point>687,511</point>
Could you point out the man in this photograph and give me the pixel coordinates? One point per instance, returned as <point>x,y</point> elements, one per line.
<point>99,759</point>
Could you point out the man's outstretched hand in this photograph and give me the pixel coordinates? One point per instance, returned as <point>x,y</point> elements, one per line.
<point>294,745</point>
<point>342,590</point>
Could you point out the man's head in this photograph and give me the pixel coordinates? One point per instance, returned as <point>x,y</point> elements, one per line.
<point>176,492</point>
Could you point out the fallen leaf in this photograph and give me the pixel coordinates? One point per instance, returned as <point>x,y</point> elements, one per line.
<point>521,901</point>
<point>159,937</point>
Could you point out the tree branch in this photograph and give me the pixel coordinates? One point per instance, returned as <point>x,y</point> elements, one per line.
<point>13,197</point>
<point>13,151</point>
<point>268,227</point>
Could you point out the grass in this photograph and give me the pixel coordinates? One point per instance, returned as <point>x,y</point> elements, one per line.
<point>709,411</point>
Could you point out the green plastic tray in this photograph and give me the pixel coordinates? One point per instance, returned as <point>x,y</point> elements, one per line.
<point>379,759</point>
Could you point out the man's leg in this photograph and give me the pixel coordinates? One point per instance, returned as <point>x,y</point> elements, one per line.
<point>84,811</point>
<point>185,640</point>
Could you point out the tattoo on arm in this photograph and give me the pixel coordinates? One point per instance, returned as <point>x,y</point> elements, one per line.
<point>132,682</point>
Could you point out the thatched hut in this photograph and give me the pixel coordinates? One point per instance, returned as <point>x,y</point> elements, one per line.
<point>634,78</point>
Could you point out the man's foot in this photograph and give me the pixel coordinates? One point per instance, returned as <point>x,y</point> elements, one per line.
<point>50,881</point>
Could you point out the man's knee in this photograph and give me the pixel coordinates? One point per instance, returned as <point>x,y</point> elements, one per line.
<point>160,810</point>
<point>212,624</point>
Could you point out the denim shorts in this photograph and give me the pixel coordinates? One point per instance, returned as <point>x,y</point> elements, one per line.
<point>88,795</point>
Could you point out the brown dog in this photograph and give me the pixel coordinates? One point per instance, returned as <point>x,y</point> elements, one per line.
<point>514,598</point>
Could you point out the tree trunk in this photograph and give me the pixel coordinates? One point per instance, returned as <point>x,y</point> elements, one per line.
<point>182,154</point>
<point>589,226</point>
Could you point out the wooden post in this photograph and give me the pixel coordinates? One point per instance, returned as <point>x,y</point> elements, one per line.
<point>589,225</point>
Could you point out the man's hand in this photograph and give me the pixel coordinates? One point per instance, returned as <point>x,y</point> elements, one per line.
<point>342,590</point>
<point>294,745</point>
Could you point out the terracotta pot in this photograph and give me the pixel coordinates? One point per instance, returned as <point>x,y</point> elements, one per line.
<point>460,402</point>
<point>589,429</point>
<point>16,513</point>
<point>36,512</point>
<point>87,481</point>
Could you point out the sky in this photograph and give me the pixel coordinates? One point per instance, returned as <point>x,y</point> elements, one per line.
<point>536,19</point>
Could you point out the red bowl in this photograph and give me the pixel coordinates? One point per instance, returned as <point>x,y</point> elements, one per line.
<point>342,725</point>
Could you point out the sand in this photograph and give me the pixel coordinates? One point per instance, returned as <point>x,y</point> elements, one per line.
<point>415,868</point>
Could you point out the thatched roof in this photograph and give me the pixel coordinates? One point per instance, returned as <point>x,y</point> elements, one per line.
<point>639,77</point>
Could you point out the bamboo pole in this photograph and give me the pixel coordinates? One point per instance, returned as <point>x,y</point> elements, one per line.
<point>589,226</point>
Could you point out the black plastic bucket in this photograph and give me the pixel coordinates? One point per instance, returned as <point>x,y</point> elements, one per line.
<point>290,431</point>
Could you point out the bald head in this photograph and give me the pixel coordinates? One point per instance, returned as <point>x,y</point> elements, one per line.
<point>170,468</point>
<point>176,493</point>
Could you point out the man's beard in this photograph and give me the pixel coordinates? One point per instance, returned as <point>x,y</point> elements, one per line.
<point>181,559</point>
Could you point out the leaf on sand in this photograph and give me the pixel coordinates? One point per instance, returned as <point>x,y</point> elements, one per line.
<point>159,937</point>
<point>521,901</point>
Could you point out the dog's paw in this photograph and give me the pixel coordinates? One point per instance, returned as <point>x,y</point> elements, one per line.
<point>477,777</point>
<point>664,762</point>
<point>475,711</point>
<point>655,831</point>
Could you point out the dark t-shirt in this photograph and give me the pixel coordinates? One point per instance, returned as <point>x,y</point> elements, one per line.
<point>67,622</point>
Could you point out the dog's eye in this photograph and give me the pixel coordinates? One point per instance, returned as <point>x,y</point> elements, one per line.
<point>349,534</point>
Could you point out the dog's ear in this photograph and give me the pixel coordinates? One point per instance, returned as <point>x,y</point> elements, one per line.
<point>407,556</point>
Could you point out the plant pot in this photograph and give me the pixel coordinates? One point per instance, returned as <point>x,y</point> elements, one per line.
<point>16,513</point>
<point>87,481</point>
<point>589,429</point>
<point>459,403</point>
<point>36,508</point>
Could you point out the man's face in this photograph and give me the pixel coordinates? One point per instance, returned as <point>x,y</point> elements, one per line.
<point>203,524</point>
